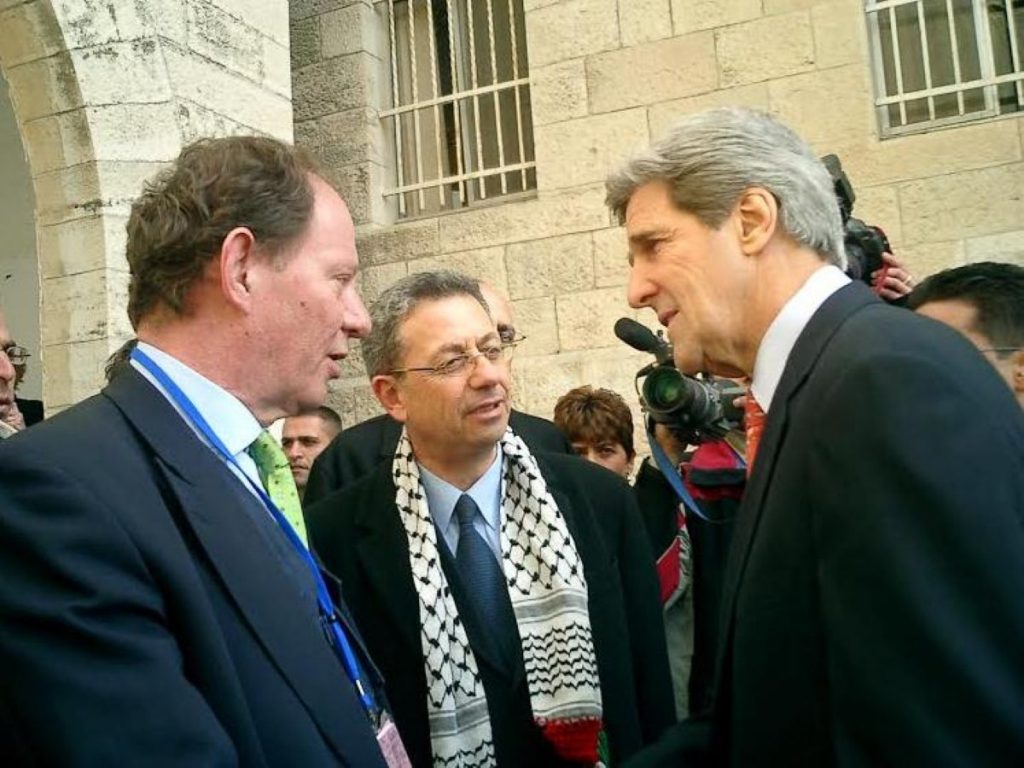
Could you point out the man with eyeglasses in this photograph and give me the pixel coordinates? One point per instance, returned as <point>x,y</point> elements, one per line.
<point>362,447</point>
<point>985,302</point>
<point>509,598</point>
<point>9,353</point>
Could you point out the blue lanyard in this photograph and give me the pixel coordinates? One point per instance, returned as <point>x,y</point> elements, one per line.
<point>328,616</point>
<point>671,474</point>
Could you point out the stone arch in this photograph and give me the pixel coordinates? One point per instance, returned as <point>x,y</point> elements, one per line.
<point>105,93</point>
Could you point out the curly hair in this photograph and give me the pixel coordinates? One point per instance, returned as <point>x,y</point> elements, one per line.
<point>595,416</point>
<point>180,221</point>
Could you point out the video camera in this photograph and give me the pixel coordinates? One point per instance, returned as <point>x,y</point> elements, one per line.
<point>864,243</point>
<point>696,409</point>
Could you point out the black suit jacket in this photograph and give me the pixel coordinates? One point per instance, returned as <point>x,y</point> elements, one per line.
<point>359,449</point>
<point>874,599</point>
<point>149,613</point>
<point>359,535</point>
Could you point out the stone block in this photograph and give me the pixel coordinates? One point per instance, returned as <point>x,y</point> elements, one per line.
<point>276,68</point>
<point>800,102</point>
<point>360,186</point>
<point>353,367</point>
<point>270,19</point>
<point>577,210</point>
<point>536,320</point>
<point>538,382</point>
<point>134,132</point>
<point>29,33</point>
<point>765,49</point>
<point>305,42</point>
<point>196,121</point>
<point>401,242</point>
<point>90,189</point>
<point>926,259</point>
<point>344,138</point>
<point>615,368</point>
<point>550,267</point>
<point>1005,247</point>
<point>303,9</point>
<point>880,206</point>
<point>558,92</point>
<point>353,400</point>
<point>840,35</point>
<point>73,372</point>
<point>657,71</point>
<point>44,87</point>
<point>929,154</point>
<point>137,67</point>
<point>484,264</point>
<point>660,117</point>
<point>773,7</point>
<point>373,280</point>
<point>74,308</point>
<point>585,320</point>
<point>641,21</point>
<point>58,141</point>
<point>342,83</point>
<point>346,30</point>
<point>611,267</point>
<point>220,37</point>
<point>82,245</point>
<point>570,29</point>
<point>582,151</point>
<point>962,205</point>
<point>691,15</point>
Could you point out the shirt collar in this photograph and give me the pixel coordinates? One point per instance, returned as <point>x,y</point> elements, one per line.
<point>486,492</point>
<point>785,329</point>
<point>232,423</point>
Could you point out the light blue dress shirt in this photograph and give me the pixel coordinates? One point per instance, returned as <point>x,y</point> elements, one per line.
<point>486,492</point>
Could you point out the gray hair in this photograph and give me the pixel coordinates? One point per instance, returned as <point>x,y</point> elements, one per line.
<point>382,348</point>
<point>710,158</point>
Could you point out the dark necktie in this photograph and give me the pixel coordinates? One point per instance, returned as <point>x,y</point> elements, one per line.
<point>480,571</point>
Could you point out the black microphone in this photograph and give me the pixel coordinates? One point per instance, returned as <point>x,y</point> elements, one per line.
<point>638,336</point>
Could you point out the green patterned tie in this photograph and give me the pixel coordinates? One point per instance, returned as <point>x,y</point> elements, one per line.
<point>276,476</point>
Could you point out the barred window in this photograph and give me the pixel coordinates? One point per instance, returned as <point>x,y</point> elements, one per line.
<point>939,62</point>
<point>460,110</point>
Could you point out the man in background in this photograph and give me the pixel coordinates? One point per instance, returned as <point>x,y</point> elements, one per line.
<point>7,375</point>
<point>158,603</point>
<point>304,437</point>
<point>364,446</point>
<point>985,302</point>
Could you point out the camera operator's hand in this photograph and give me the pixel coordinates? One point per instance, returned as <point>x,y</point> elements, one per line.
<point>893,281</point>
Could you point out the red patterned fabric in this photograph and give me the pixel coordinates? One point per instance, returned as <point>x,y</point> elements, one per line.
<point>754,422</point>
<point>574,740</point>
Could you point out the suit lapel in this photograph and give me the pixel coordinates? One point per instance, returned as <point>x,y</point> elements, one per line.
<point>808,348</point>
<point>212,505</point>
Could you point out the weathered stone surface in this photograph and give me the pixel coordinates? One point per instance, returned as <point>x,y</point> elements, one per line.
<point>76,307</point>
<point>538,382</point>
<point>344,82</point>
<point>269,18</point>
<point>303,9</point>
<point>577,210</point>
<point>772,7</point>
<point>28,33</point>
<point>73,372</point>
<point>43,87</point>
<point>765,49</point>
<point>550,267</point>
<point>484,264</point>
<point>196,121</point>
<point>88,189</point>
<point>107,72</point>
<point>972,203</point>
<point>657,71</point>
<point>535,319</point>
<point>570,29</point>
<point>344,138</point>
<point>690,15</point>
<point>610,258</point>
<point>585,319</point>
<point>558,92</point>
<point>400,242</point>
<point>134,132</point>
<point>801,102</point>
<point>353,367</point>
<point>346,30</point>
<point>373,280</point>
<point>839,34</point>
<point>926,259</point>
<point>581,151</point>
<point>1006,247</point>
<point>276,68</point>
<point>82,245</point>
<point>360,186</point>
<point>57,141</point>
<point>879,206</point>
<point>661,116</point>
<point>305,42</point>
<point>641,21</point>
<point>353,400</point>
<point>220,37</point>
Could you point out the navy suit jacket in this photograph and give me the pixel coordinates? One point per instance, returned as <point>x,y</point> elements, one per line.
<point>874,596</point>
<point>149,614</point>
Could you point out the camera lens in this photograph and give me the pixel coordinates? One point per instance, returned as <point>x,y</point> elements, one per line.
<point>665,390</point>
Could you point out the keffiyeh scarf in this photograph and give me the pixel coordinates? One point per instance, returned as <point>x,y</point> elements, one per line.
<point>548,591</point>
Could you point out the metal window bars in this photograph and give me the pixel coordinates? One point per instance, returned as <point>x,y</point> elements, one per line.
<point>941,62</point>
<point>460,103</point>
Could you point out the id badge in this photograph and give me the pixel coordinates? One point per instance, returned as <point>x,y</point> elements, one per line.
<point>390,743</point>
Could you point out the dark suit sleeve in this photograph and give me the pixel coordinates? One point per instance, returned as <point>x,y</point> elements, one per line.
<point>324,476</point>
<point>91,674</point>
<point>919,527</point>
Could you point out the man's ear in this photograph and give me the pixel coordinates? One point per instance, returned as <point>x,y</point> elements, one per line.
<point>237,257</point>
<point>757,219</point>
<point>1018,373</point>
<point>386,389</point>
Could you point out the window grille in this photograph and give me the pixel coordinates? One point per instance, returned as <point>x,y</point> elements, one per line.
<point>940,62</point>
<point>460,103</point>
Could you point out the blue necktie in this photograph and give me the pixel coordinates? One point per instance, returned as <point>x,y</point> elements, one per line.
<point>479,569</point>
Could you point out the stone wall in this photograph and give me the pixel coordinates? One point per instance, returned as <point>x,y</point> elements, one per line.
<point>607,76</point>
<point>106,92</point>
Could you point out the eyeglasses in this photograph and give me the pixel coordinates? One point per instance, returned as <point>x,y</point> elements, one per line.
<point>17,355</point>
<point>459,364</point>
<point>999,350</point>
<point>507,334</point>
